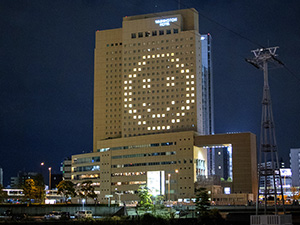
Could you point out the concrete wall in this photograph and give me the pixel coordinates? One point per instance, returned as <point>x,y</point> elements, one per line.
<point>39,210</point>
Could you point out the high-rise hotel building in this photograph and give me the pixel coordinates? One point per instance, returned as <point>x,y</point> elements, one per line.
<point>152,100</point>
<point>148,77</point>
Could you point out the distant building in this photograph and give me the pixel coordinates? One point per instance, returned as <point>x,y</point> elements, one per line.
<point>19,181</point>
<point>66,168</point>
<point>1,176</point>
<point>295,166</point>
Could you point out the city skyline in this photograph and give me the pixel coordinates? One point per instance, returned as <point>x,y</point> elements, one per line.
<point>47,73</point>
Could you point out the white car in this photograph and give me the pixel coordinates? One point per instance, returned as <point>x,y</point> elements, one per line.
<point>83,214</point>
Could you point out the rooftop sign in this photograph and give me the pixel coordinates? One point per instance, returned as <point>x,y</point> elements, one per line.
<point>165,22</point>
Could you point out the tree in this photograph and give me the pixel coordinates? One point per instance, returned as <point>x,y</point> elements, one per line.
<point>86,190</point>
<point>202,202</point>
<point>295,194</point>
<point>30,189</point>
<point>40,187</point>
<point>66,188</point>
<point>145,202</point>
<point>3,194</point>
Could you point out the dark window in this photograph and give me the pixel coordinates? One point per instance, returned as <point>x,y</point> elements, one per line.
<point>140,34</point>
<point>133,35</point>
<point>154,33</point>
<point>161,32</point>
<point>175,31</point>
<point>168,31</point>
<point>147,34</point>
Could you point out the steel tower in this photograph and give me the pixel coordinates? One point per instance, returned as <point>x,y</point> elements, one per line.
<point>268,167</point>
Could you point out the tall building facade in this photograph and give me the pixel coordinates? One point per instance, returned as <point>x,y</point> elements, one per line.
<point>295,166</point>
<point>207,84</point>
<point>153,111</point>
<point>149,79</point>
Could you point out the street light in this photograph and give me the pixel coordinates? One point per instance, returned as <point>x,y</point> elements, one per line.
<point>169,184</point>
<point>49,178</point>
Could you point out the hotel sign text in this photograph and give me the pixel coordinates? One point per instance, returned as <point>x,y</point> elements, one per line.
<point>165,22</point>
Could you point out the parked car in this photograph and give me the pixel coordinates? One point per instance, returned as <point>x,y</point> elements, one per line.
<point>8,215</point>
<point>83,214</point>
<point>57,215</point>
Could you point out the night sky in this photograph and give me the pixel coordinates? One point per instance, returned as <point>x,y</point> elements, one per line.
<point>47,66</point>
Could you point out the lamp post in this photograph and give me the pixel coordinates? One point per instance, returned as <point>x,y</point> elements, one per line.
<point>49,177</point>
<point>176,171</point>
<point>169,187</point>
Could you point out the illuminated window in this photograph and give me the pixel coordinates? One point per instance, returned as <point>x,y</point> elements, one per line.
<point>173,120</point>
<point>125,82</point>
<point>173,102</point>
<point>148,110</point>
<point>192,76</point>
<point>187,70</point>
<point>168,108</point>
<point>148,128</point>
<point>187,107</point>
<point>182,71</point>
<point>168,127</point>
<point>178,120</point>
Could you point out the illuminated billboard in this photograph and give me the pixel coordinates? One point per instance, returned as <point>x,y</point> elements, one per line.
<point>286,172</point>
<point>156,182</point>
